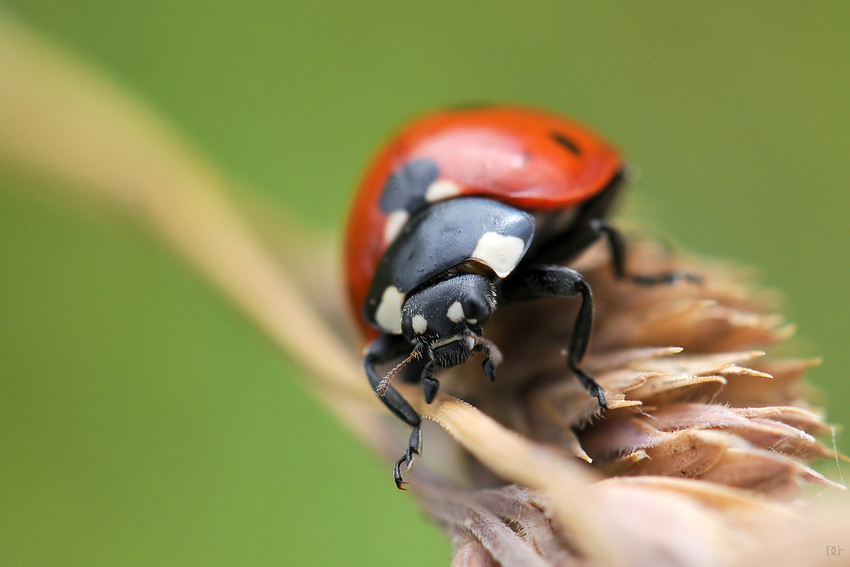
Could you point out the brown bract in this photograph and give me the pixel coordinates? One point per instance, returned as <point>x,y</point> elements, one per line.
<point>701,460</point>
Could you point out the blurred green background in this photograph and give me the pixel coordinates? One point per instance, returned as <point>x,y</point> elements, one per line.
<point>144,422</point>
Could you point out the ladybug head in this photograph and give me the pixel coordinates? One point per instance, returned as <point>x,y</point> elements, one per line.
<point>446,317</point>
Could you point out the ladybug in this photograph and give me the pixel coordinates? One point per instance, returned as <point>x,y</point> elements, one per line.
<point>463,211</point>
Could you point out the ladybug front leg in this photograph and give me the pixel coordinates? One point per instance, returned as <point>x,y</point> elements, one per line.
<point>430,385</point>
<point>573,243</point>
<point>382,350</point>
<point>543,280</point>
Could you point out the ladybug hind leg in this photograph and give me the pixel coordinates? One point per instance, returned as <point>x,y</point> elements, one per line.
<point>573,243</point>
<point>544,280</point>
<point>382,350</point>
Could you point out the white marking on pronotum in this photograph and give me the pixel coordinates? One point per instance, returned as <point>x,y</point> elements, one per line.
<point>441,189</point>
<point>501,253</point>
<point>395,222</point>
<point>470,343</point>
<point>420,324</point>
<point>388,314</point>
<point>455,312</point>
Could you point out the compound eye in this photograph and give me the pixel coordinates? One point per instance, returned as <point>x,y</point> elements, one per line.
<point>407,328</point>
<point>476,310</point>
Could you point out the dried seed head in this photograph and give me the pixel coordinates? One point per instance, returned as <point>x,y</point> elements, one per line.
<point>706,445</point>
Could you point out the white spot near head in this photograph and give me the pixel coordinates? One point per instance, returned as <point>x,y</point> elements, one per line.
<point>502,253</point>
<point>455,312</point>
<point>420,324</point>
<point>388,314</point>
<point>395,222</point>
<point>470,343</point>
<point>441,189</point>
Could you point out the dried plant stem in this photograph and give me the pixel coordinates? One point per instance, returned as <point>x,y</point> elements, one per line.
<point>513,457</point>
<point>60,118</point>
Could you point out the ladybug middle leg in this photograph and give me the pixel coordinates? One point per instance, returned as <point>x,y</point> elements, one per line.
<point>382,350</point>
<point>538,278</point>
<point>545,280</point>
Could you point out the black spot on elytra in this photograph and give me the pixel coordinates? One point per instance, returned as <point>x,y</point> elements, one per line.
<point>405,189</point>
<point>567,143</point>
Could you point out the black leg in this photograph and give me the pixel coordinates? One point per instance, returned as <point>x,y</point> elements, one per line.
<point>574,243</point>
<point>430,385</point>
<point>493,354</point>
<point>543,280</point>
<point>384,349</point>
<point>617,245</point>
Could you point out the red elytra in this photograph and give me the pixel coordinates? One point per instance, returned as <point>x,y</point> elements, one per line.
<point>509,154</point>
